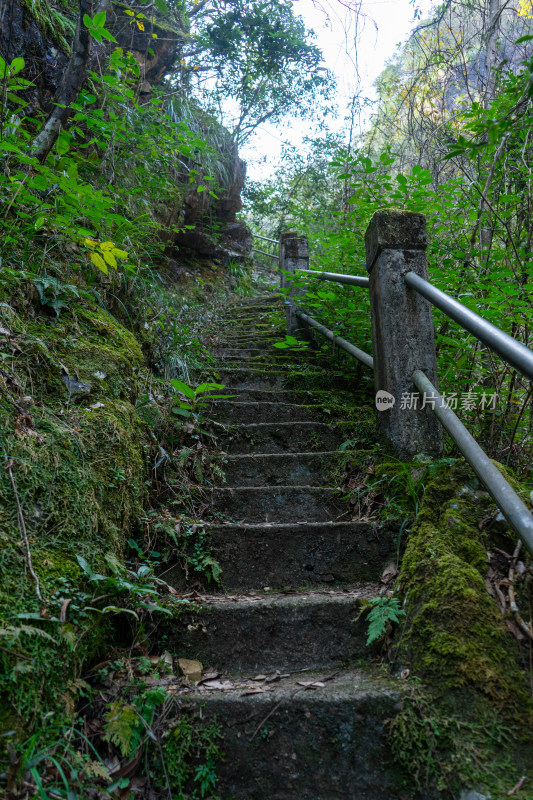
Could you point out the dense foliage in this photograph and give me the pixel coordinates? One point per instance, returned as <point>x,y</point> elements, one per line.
<point>451,138</point>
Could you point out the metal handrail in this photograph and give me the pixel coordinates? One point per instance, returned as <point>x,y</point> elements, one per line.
<point>354,351</point>
<point>515,353</point>
<point>349,280</point>
<point>270,255</point>
<point>265,238</point>
<point>514,510</point>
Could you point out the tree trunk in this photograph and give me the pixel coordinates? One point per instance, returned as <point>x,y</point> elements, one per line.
<point>494,12</point>
<point>68,89</point>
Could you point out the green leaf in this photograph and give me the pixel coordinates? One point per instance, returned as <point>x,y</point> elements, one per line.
<point>161,6</point>
<point>16,65</point>
<point>107,35</point>
<point>99,19</point>
<point>181,412</point>
<point>62,145</point>
<point>84,565</point>
<point>182,388</point>
<point>208,387</point>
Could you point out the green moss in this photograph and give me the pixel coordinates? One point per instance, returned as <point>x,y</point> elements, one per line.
<point>454,635</point>
<point>79,466</point>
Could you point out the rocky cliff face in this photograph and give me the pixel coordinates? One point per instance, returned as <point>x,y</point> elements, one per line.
<point>41,33</point>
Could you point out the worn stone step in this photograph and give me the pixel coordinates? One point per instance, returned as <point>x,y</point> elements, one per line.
<point>294,555</point>
<point>236,411</point>
<point>298,396</point>
<point>231,338</point>
<point>264,364</point>
<point>295,742</point>
<point>278,503</point>
<point>241,376</point>
<point>283,469</point>
<point>268,301</point>
<point>286,437</point>
<point>271,630</point>
<point>266,353</point>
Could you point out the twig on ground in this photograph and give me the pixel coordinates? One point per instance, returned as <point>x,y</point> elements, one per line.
<point>526,627</point>
<point>22,526</point>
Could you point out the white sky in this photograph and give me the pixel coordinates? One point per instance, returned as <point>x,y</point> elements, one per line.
<point>384,25</point>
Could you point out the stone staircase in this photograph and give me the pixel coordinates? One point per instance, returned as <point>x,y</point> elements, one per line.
<point>285,663</point>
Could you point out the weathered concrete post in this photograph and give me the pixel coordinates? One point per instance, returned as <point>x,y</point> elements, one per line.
<point>293,255</point>
<point>402,332</point>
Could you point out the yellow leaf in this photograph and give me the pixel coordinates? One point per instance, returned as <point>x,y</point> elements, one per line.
<point>154,35</point>
<point>91,243</point>
<point>128,12</point>
<point>106,246</point>
<point>99,262</point>
<point>119,253</point>
<point>110,259</point>
<point>140,25</point>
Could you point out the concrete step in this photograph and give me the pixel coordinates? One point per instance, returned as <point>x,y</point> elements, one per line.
<point>251,304</point>
<point>278,503</point>
<point>312,554</point>
<point>285,437</point>
<point>271,630</point>
<point>229,338</point>
<point>298,396</point>
<point>235,411</point>
<point>285,739</point>
<point>240,376</point>
<point>266,353</point>
<point>264,364</point>
<point>285,469</point>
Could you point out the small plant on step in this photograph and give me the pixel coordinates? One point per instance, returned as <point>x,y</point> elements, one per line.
<point>290,343</point>
<point>191,402</point>
<point>384,610</point>
<point>131,591</point>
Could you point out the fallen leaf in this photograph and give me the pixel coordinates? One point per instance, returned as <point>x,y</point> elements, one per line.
<point>210,676</point>
<point>259,678</point>
<point>217,685</point>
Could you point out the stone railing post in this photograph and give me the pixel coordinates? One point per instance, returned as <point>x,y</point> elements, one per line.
<point>293,255</point>
<point>402,332</point>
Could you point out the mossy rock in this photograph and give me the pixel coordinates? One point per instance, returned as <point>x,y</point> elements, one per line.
<point>79,463</point>
<point>454,636</point>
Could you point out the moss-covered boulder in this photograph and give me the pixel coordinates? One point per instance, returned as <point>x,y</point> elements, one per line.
<point>454,634</point>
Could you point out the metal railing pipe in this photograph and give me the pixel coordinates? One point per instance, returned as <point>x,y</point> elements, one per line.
<point>270,255</point>
<point>515,353</point>
<point>265,238</point>
<point>349,280</point>
<point>512,507</point>
<point>354,351</point>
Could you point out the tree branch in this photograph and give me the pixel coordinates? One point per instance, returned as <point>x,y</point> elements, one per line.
<point>67,90</point>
